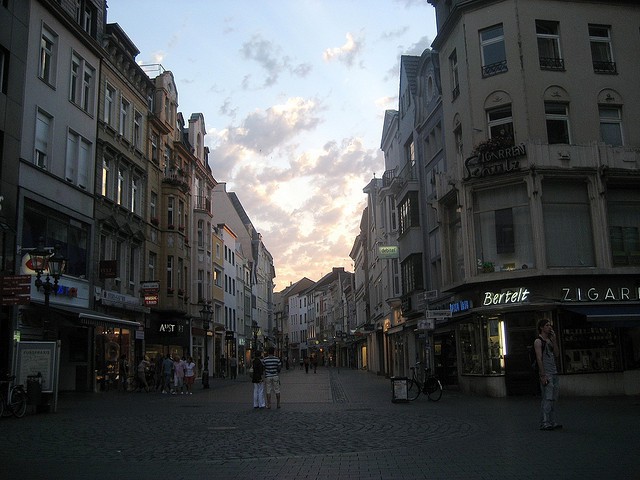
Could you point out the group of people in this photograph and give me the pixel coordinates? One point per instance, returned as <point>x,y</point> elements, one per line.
<point>266,379</point>
<point>171,374</point>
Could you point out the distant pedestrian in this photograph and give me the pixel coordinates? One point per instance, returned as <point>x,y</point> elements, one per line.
<point>314,363</point>
<point>223,366</point>
<point>167,374</point>
<point>306,364</point>
<point>123,372</point>
<point>233,364</point>
<point>143,368</point>
<point>546,347</point>
<point>178,375</point>
<point>189,375</point>
<point>272,367</point>
<point>158,372</point>
<point>257,378</point>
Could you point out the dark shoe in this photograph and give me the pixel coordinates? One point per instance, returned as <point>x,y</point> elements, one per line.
<point>557,426</point>
<point>547,427</point>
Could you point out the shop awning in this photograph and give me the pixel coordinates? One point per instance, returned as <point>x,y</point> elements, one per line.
<point>97,319</point>
<point>612,315</point>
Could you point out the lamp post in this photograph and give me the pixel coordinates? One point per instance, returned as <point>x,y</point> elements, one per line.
<point>205,314</point>
<point>54,263</point>
<point>255,328</point>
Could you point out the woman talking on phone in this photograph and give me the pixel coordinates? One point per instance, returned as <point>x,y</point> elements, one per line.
<point>546,347</point>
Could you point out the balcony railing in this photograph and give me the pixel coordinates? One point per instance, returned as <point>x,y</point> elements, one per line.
<point>494,69</point>
<point>552,63</point>
<point>605,67</point>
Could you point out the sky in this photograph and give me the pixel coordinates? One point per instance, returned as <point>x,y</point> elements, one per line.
<point>293,93</point>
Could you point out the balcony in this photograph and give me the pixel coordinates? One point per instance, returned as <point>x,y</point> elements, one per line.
<point>202,203</point>
<point>494,69</point>
<point>605,67</point>
<point>177,178</point>
<point>552,63</point>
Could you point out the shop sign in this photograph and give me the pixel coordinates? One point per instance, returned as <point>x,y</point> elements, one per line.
<point>150,299</point>
<point>388,251</point>
<point>594,294</point>
<point>497,162</point>
<point>460,306</point>
<point>506,297</point>
<point>108,269</point>
<point>170,328</point>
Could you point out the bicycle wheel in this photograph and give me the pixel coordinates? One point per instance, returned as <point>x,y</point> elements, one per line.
<point>413,389</point>
<point>18,402</point>
<point>433,387</point>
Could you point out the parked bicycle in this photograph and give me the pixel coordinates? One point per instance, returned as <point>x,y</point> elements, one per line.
<point>13,398</point>
<point>422,381</point>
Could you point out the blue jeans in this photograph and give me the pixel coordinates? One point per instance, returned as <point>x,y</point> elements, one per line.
<point>550,393</point>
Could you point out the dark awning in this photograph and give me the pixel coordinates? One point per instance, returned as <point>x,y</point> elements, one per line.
<point>91,317</point>
<point>611,315</point>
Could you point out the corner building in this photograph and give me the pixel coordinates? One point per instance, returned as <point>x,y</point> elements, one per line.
<point>540,201</point>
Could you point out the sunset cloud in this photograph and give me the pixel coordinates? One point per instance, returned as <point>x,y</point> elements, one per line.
<point>347,53</point>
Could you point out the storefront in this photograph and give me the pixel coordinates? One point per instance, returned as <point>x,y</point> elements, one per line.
<point>167,335</point>
<point>598,325</point>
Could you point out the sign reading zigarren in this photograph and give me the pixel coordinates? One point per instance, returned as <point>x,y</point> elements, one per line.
<point>497,162</point>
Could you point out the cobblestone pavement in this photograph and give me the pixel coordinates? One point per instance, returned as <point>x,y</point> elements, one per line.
<point>333,424</point>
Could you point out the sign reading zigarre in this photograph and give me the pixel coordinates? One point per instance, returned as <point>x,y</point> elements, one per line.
<point>497,162</point>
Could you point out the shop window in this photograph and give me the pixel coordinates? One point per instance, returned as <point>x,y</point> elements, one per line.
<point>567,224</point>
<point>623,209</point>
<point>483,347</point>
<point>589,347</point>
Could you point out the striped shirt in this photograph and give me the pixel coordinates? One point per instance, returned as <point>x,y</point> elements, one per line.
<point>271,366</point>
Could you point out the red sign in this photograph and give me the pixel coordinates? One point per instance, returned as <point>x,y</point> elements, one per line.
<point>151,299</point>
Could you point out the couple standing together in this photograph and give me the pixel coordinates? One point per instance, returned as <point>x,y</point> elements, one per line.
<point>265,376</point>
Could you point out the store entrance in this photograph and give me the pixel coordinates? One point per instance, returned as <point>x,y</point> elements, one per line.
<point>519,377</point>
<point>446,365</point>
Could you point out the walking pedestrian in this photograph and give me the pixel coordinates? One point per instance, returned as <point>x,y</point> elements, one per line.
<point>314,362</point>
<point>158,372</point>
<point>143,367</point>
<point>233,363</point>
<point>123,372</point>
<point>272,366</point>
<point>306,364</point>
<point>178,375</point>
<point>223,366</point>
<point>167,374</point>
<point>189,375</point>
<point>546,348</point>
<point>257,378</point>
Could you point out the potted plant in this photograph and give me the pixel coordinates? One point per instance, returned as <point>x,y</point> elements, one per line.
<point>170,291</point>
<point>155,221</point>
<point>181,228</point>
<point>171,227</point>
<point>180,292</point>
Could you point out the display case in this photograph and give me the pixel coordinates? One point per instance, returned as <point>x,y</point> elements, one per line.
<point>590,349</point>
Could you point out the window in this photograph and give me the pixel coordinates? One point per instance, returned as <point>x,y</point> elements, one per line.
<point>502,226</point>
<point>154,148</point>
<point>132,267</point>
<point>109,104</point>
<point>549,45</point>
<point>106,178</point>
<point>137,130</point>
<point>124,118</point>
<point>494,58</point>
<point>134,204</point>
<point>557,118</point>
<point>200,233</point>
<point>153,202</point>
<point>483,345</point>
<point>601,52</point>
<point>455,83</point>
<point>500,123</point>
<point>410,154</point>
<point>623,215</point>
<point>81,85</point>
<point>152,267</point>
<point>4,69</point>
<point>611,126</point>
<point>42,140</point>
<point>57,228</point>
<point>568,232</point>
<point>217,277</point>
<point>412,273</point>
<point>171,202</point>
<point>46,67</point>
<point>86,16</point>
<point>201,296</point>
<point>120,194</point>
<point>409,213</point>
<point>170,273</point>
<point>78,161</point>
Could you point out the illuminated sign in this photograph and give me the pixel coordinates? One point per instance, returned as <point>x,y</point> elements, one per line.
<point>388,251</point>
<point>594,294</point>
<point>506,297</point>
<point>497,162</point>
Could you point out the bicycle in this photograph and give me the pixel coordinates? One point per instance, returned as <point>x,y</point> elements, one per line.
<point>14,400</point>
<point>430,386</point>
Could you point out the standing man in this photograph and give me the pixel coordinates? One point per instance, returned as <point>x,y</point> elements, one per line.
<point>546,348</point>
<point>233,362</point>
<point>167,373</point>
<point>272,366</point>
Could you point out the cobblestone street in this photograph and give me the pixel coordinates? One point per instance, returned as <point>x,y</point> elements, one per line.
<point>333,424</point>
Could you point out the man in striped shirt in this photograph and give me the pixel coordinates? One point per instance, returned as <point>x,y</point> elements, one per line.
<point>272,366</point>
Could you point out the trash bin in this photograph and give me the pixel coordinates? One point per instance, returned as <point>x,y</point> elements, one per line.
<point>34,389</point>
<point>399,389</point>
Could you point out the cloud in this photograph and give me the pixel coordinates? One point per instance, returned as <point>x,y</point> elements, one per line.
<point>347,53</point>
<point>269,56</point>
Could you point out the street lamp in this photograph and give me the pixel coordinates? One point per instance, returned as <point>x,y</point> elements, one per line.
<point>255,328</point>
<point>205,314</point>
<point>54,263</point>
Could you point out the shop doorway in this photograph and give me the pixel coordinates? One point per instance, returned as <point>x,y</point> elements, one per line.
<point>445,358</point>
<point>519,377</point>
